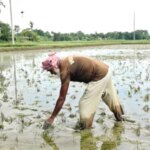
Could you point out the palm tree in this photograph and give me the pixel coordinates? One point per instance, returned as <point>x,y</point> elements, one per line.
<point>2,4</point>
<point>22,12</point>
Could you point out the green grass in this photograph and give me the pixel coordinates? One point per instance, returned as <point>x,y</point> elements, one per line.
<point>8,46</point>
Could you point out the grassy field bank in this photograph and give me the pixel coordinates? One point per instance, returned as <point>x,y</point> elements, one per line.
<point>7,46</point>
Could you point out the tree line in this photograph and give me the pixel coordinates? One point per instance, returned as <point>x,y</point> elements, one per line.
<point>30,34</point>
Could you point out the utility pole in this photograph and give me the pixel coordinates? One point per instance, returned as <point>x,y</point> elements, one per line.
<point>11,19</point>
<point>134,26</point>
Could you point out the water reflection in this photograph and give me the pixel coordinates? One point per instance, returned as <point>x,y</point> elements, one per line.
<point>114,140</point>
<point>49,140</point>
<point>5,61</point>
<point>88,141</point>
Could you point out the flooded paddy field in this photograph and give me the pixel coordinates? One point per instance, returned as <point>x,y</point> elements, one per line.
<point>28,95</point>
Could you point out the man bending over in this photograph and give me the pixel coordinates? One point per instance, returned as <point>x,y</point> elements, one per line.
<point>95,74</point>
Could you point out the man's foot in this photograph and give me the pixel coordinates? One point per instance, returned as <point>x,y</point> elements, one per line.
<point>119,117</point>
<point>118,112</point>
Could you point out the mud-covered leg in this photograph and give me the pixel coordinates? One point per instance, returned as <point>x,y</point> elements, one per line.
<point>118,112</point>
<point>112,101</point>
<point>88,104</point>
<point>86,122</point>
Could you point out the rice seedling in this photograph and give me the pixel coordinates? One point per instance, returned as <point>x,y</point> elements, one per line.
<point>3,137</point>
<point>146,108</point>
<point>146,97</point>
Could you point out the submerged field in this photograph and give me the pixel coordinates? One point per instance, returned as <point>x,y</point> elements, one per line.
<point>28,95</point>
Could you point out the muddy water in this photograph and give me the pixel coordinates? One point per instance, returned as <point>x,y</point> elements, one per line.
<point>28,95</point>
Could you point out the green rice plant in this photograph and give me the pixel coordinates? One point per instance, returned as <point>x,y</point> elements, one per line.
<point>129,94</point>
<point>146,97</point>
<point>1,126</point>
<point>100,120</point>
<point>72,115</point>
<point>146,108</point>
<point>5,97</point>
<point>138,130</point>
<point>3,137</point>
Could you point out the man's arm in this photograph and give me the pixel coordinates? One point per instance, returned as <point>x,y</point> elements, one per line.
<point>60,102</point>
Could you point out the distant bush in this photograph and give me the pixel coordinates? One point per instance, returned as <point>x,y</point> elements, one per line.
<point>5,32</point>
<point>28,34</point>
<point>31,34</point>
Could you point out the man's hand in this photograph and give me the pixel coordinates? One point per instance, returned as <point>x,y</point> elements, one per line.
<point>48,123</point>
<point>58,106</point>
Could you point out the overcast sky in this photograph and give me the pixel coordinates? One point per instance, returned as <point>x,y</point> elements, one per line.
<point>89,16</point>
